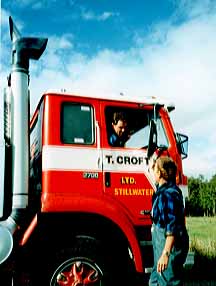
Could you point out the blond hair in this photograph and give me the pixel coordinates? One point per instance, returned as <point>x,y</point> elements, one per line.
<point>167,168</point>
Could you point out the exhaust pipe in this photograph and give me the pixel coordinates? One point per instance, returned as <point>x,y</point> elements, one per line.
<point>23,49</point>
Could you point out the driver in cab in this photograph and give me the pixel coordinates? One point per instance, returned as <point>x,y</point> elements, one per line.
<point>119,133</point>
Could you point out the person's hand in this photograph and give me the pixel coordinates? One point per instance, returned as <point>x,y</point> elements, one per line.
<point>162,263</point>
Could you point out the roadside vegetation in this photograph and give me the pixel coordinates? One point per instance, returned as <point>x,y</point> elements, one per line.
<point>201,225</point>
<point>202,197</point>
<point>201,215</point>
<point>202,233</point>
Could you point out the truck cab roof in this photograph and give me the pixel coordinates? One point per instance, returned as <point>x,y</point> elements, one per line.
<point>146,100</point>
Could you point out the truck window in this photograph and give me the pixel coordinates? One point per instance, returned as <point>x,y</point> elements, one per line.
<point>77,124</point>
<point>140,138</point>
<point>36,135</point>
<point>138,125</point>
<point>162,138</point>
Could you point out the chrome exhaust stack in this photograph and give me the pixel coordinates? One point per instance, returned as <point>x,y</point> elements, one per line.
<point>23,49</point>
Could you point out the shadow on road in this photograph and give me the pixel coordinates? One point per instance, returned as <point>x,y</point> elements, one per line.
<point>202,273</point>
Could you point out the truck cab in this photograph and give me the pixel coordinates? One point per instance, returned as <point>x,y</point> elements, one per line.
<point>81,179</point>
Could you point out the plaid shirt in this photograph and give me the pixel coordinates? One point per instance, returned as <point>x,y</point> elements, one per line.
<point>168,208</point>
<point>116,141</point>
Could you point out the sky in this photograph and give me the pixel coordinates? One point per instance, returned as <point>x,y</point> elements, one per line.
<point>162,48</point>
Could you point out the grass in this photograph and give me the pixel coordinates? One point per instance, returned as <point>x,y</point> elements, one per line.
<point>202,233</point>
<point>202,228</point>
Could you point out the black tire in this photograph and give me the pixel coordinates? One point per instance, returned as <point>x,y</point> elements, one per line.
<point>86,262</point>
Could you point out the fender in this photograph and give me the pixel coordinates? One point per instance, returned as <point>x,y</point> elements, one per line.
<point>106,208</point>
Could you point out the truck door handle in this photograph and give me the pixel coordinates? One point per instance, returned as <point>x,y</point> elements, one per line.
<point>145,212</point>
<point>107,179</point>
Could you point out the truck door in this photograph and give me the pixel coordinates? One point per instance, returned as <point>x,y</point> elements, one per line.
<point>84,140</point>
<point>71,152</point>
<point>125,168</point>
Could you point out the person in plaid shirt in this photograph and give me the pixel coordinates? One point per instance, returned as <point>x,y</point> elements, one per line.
<point>169,235</point>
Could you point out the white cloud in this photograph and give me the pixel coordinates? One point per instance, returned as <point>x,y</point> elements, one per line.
<point>5,23</point>
<point>90,15</point>
<point>106,15</point>
<point>34,4</point>
<point>63,42</point>
<point>4,18</point>
<point>191,8</point>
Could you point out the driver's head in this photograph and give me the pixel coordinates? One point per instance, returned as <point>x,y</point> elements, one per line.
<point>119,123</point>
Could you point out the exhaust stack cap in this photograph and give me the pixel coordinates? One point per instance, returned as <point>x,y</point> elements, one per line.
<point>25,49</point>
<point>6,243</point>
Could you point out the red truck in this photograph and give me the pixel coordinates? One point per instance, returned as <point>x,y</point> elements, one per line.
<point>76,210</point>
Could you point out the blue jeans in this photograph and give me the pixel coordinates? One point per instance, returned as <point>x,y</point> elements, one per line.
<point>173,275</point>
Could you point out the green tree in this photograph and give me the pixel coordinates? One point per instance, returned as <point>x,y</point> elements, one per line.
<point>202,196</point>
<point>194,206</point>
<point>212,188</point>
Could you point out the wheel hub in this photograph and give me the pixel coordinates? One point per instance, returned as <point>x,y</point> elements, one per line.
<point>77,273</point>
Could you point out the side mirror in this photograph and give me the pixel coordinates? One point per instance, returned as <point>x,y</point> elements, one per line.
<point>152,144</point>
<point>182,144</point>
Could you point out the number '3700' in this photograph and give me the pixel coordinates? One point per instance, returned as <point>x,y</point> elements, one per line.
<point>90,175</point>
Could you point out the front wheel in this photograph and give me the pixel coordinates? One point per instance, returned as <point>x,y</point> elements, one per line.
<point>86,262</point>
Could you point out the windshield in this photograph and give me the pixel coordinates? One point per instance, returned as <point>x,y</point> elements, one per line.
<point>140,138</point>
